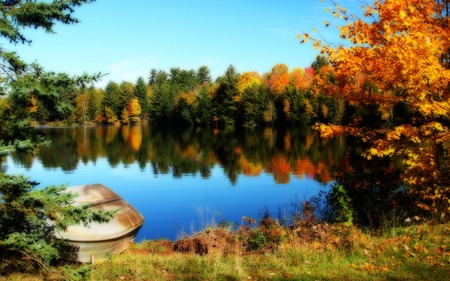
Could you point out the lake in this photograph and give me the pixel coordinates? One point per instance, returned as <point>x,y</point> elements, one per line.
<point>182,180</point>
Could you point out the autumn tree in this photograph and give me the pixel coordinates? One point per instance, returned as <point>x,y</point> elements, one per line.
<point>110,116</point>
<point>95,100</point>
<point>394,74</point>
<point>125,116</point>
<point>301,78</point>
<point>278,79</point>
<point>248,79</point>
<point>134,110</point>
<point>81,108</point>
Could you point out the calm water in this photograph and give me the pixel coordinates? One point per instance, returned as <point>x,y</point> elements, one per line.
<point>182,180</point>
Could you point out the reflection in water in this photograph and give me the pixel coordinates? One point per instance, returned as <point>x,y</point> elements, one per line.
<point>280,152</point>
<point>171,175</point>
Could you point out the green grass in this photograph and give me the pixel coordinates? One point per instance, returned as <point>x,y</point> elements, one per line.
<point>419,252</point>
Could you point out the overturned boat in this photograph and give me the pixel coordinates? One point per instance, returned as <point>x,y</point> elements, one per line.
<point>98,240</point>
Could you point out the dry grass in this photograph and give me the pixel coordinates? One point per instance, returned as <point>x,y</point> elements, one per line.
<point>317,252</point>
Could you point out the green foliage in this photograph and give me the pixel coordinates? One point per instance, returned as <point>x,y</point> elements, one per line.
<point>35,14</point>
<point>162,103</point>
<point>111,98</point>
<point>343,205</point>
<point>19,15</point>
<point>182,97</point>
<point>111,117</point>
<point>224,99</point>
<point>185,112</point>
<point>204,109</point>
<point>29,217</point>
<point>125,117</point>
<point>405,256</point>
<point>297,114</point>
<point>126,93</point>
<point>320,62</point>
<point>253,102</point>
<point>203,75</point>
<point>140,91</point>
<point>257,240</point>
<point>157,77</point>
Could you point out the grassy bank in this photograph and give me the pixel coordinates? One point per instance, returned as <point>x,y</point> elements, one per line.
<point>270,252</point>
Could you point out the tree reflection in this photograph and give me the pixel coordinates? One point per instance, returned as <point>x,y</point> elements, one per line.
<point>282,152</point>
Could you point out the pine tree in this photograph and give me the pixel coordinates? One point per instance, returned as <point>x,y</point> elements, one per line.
<point>26,214</point>
<point>140,91</point>
<point>224,100</point>
<point>111,98</point>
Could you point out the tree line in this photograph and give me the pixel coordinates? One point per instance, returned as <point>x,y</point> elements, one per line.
<point>181,97</point>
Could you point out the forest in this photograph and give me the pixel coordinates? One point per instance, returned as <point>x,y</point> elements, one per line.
<point>387,88</point>
<point>186,97</point>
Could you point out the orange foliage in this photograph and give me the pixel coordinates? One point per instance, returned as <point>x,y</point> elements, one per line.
<point>135,137</point>
<point>248,168</point>
<point>278,79</point>
<point>287,141</point>
<point>190,152</point>
<point>301,78</point>
<point>397,54</point>
<point>125,132</point>
<point>280,168</point>
<point>34,106</point>
<point>304,167</point>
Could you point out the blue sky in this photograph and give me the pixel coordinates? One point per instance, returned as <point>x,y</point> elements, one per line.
<point>128,38</point>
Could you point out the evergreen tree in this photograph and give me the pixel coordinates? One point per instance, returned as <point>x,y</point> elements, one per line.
<point>188,81</point>
<point>140,92</point>
<point>162,103</point>
<point>26,214</point>
<point>174,76</point>
<point>224,100</point>
<point>111,98</point>
<point>204,114</point>
<point>153,77</point>
<point>95,99</point>
<point>253,105</point>
<point>296,100</point>
<point>125,116</point>
<point>125,95</point>
<point>203,75</point>
<point>161,78</point>
<point>320,62</point>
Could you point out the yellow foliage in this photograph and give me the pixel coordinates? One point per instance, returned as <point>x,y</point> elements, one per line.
<point>188,97</point>
<point>248,79</point>
<point>134,108</point>
<point>395,55</point>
